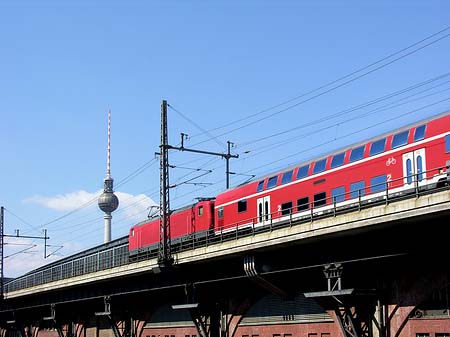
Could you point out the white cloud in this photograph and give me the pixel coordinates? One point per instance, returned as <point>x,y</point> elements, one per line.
<point>65,202</point>
<point>134,206</point>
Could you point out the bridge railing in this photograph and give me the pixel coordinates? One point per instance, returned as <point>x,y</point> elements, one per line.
<point>384,192</point>
<point>357,199</point>
<point>101,260</point>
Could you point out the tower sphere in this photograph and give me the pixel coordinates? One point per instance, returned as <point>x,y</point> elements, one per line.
<point>108,202</point>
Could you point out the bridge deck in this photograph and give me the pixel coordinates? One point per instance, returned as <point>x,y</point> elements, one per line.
<point>292,231</point>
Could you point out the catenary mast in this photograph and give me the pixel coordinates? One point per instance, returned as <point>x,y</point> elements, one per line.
<point>108,201</point>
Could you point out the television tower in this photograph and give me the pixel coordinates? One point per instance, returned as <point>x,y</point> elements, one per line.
<point>108,201</point>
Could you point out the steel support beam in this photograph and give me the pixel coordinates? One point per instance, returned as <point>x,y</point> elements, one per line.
<point>253,274</point>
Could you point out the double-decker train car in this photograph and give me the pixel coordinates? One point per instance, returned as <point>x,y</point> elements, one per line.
<point>417,156</point>
<point>399,162</point>
<point>187,223</point>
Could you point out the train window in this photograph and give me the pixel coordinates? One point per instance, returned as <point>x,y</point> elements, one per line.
<point>286,208</point>
<point>320,199</point>
<point>357,154</point>
<point>419,134</point>
<point>260,186</point>
<point>378,183</point>
<point>400,139</point>
<point>319,166</point>
<point>377,146</point>
<point>338,194</point>
<point>302,172</point>
<point>132,232</point>
<point>200,210</point>
<point>220,212</point>
<point>357,189</point>
<point>338,160</point>
<point>408,171</point>
<point>302,204</point>
<point>447,144</point>
<point>419,166</point>
<point>242,205</point>
<point>272,182</point>
<point>287,177</point>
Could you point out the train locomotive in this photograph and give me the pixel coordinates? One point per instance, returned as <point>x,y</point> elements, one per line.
<point>399,162</point>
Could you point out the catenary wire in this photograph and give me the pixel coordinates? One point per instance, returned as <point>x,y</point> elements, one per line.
<point>326,91</point>
<point>331,82</point>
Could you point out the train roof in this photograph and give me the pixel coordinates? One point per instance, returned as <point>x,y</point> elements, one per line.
<point>342,149</point>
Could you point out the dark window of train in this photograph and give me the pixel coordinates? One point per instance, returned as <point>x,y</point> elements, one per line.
<point>357,189</point>
<point>319,166</point>
<point>200,210</point>
<point>378,183</point>
<point>357,154</point>
<point>377,146</point>
<point>287,177</point>
<point>447,144</point>
<point>400,139</point>
<point>320,199</point>
<point>242,205</point>
<point>220,212</point>
<point>302,204</point>
<point>260,186</point>
<point>338,160</point>
<point>272,182</point>
<point>338,194</point>
<point>419,134</point>
<point>302,172</point>
<point>286,208</point>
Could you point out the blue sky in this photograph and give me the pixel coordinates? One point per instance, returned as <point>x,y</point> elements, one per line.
<point>230,70</point>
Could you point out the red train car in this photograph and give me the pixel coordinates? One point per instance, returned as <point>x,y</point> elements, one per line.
<point>185,222</point>
<point>398,162</point>
<point>417,156</point>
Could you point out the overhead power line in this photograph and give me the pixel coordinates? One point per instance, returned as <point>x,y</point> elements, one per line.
<point>332,83</point>
<point>355,108</point>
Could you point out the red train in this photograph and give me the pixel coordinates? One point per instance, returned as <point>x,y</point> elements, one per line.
<point>417,156</point>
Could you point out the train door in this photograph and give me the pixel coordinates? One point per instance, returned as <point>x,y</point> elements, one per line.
<point>414,168</point>
<point>263,210</point>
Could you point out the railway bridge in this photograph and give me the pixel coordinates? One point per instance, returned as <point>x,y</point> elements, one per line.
<point>374,269</point>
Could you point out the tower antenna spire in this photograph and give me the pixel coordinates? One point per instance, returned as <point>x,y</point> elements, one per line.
<point>108,150</point>
<point>108,201</point>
